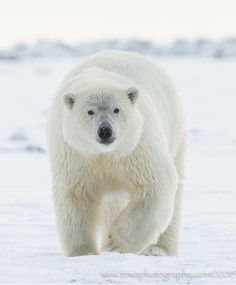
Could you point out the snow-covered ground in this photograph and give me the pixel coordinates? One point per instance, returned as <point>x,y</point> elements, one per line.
<point>29,249</point>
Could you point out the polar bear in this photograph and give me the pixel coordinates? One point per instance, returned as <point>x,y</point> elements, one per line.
<point>116,142</point>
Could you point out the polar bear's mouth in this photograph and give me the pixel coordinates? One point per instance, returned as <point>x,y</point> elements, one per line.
<point>106,141</point>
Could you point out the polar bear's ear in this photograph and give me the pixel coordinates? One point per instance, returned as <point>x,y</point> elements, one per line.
<point>132,94</point>
<point>69,100</point>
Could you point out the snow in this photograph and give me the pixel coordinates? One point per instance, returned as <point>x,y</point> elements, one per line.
<point>29,247</point>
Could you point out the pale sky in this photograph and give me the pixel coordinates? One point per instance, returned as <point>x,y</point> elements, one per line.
<point>76,21</point>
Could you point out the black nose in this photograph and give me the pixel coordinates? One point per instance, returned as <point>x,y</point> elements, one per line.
<point>104,133</point>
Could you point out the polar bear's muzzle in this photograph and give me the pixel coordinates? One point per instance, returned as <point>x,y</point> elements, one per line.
<point>105,133</point>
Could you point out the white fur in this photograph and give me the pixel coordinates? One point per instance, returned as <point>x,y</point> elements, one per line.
<point>145,161</point>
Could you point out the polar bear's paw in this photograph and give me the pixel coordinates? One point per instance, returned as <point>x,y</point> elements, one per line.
<point>84,250</point>
<point>154,250</point>
<point>117,244</point>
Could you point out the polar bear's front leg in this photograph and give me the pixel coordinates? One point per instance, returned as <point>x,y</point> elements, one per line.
<point>148,213</point>
<point>76,224</point>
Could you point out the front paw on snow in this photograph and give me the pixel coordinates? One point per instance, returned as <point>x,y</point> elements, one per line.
<point>116,245</point>
<point>154,250</point>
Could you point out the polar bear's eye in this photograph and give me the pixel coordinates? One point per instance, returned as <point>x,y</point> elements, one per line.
<point>116,110</point>
<point>90,112</point>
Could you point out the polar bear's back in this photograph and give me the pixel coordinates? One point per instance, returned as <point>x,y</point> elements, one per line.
<point>132,65</point>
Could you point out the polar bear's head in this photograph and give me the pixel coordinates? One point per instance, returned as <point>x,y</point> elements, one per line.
<point>102,117</point>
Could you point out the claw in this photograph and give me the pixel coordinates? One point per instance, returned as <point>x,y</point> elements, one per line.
<point>112,245</point>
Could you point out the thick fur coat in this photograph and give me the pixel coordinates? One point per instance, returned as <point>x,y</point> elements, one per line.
<point>116,141</point>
